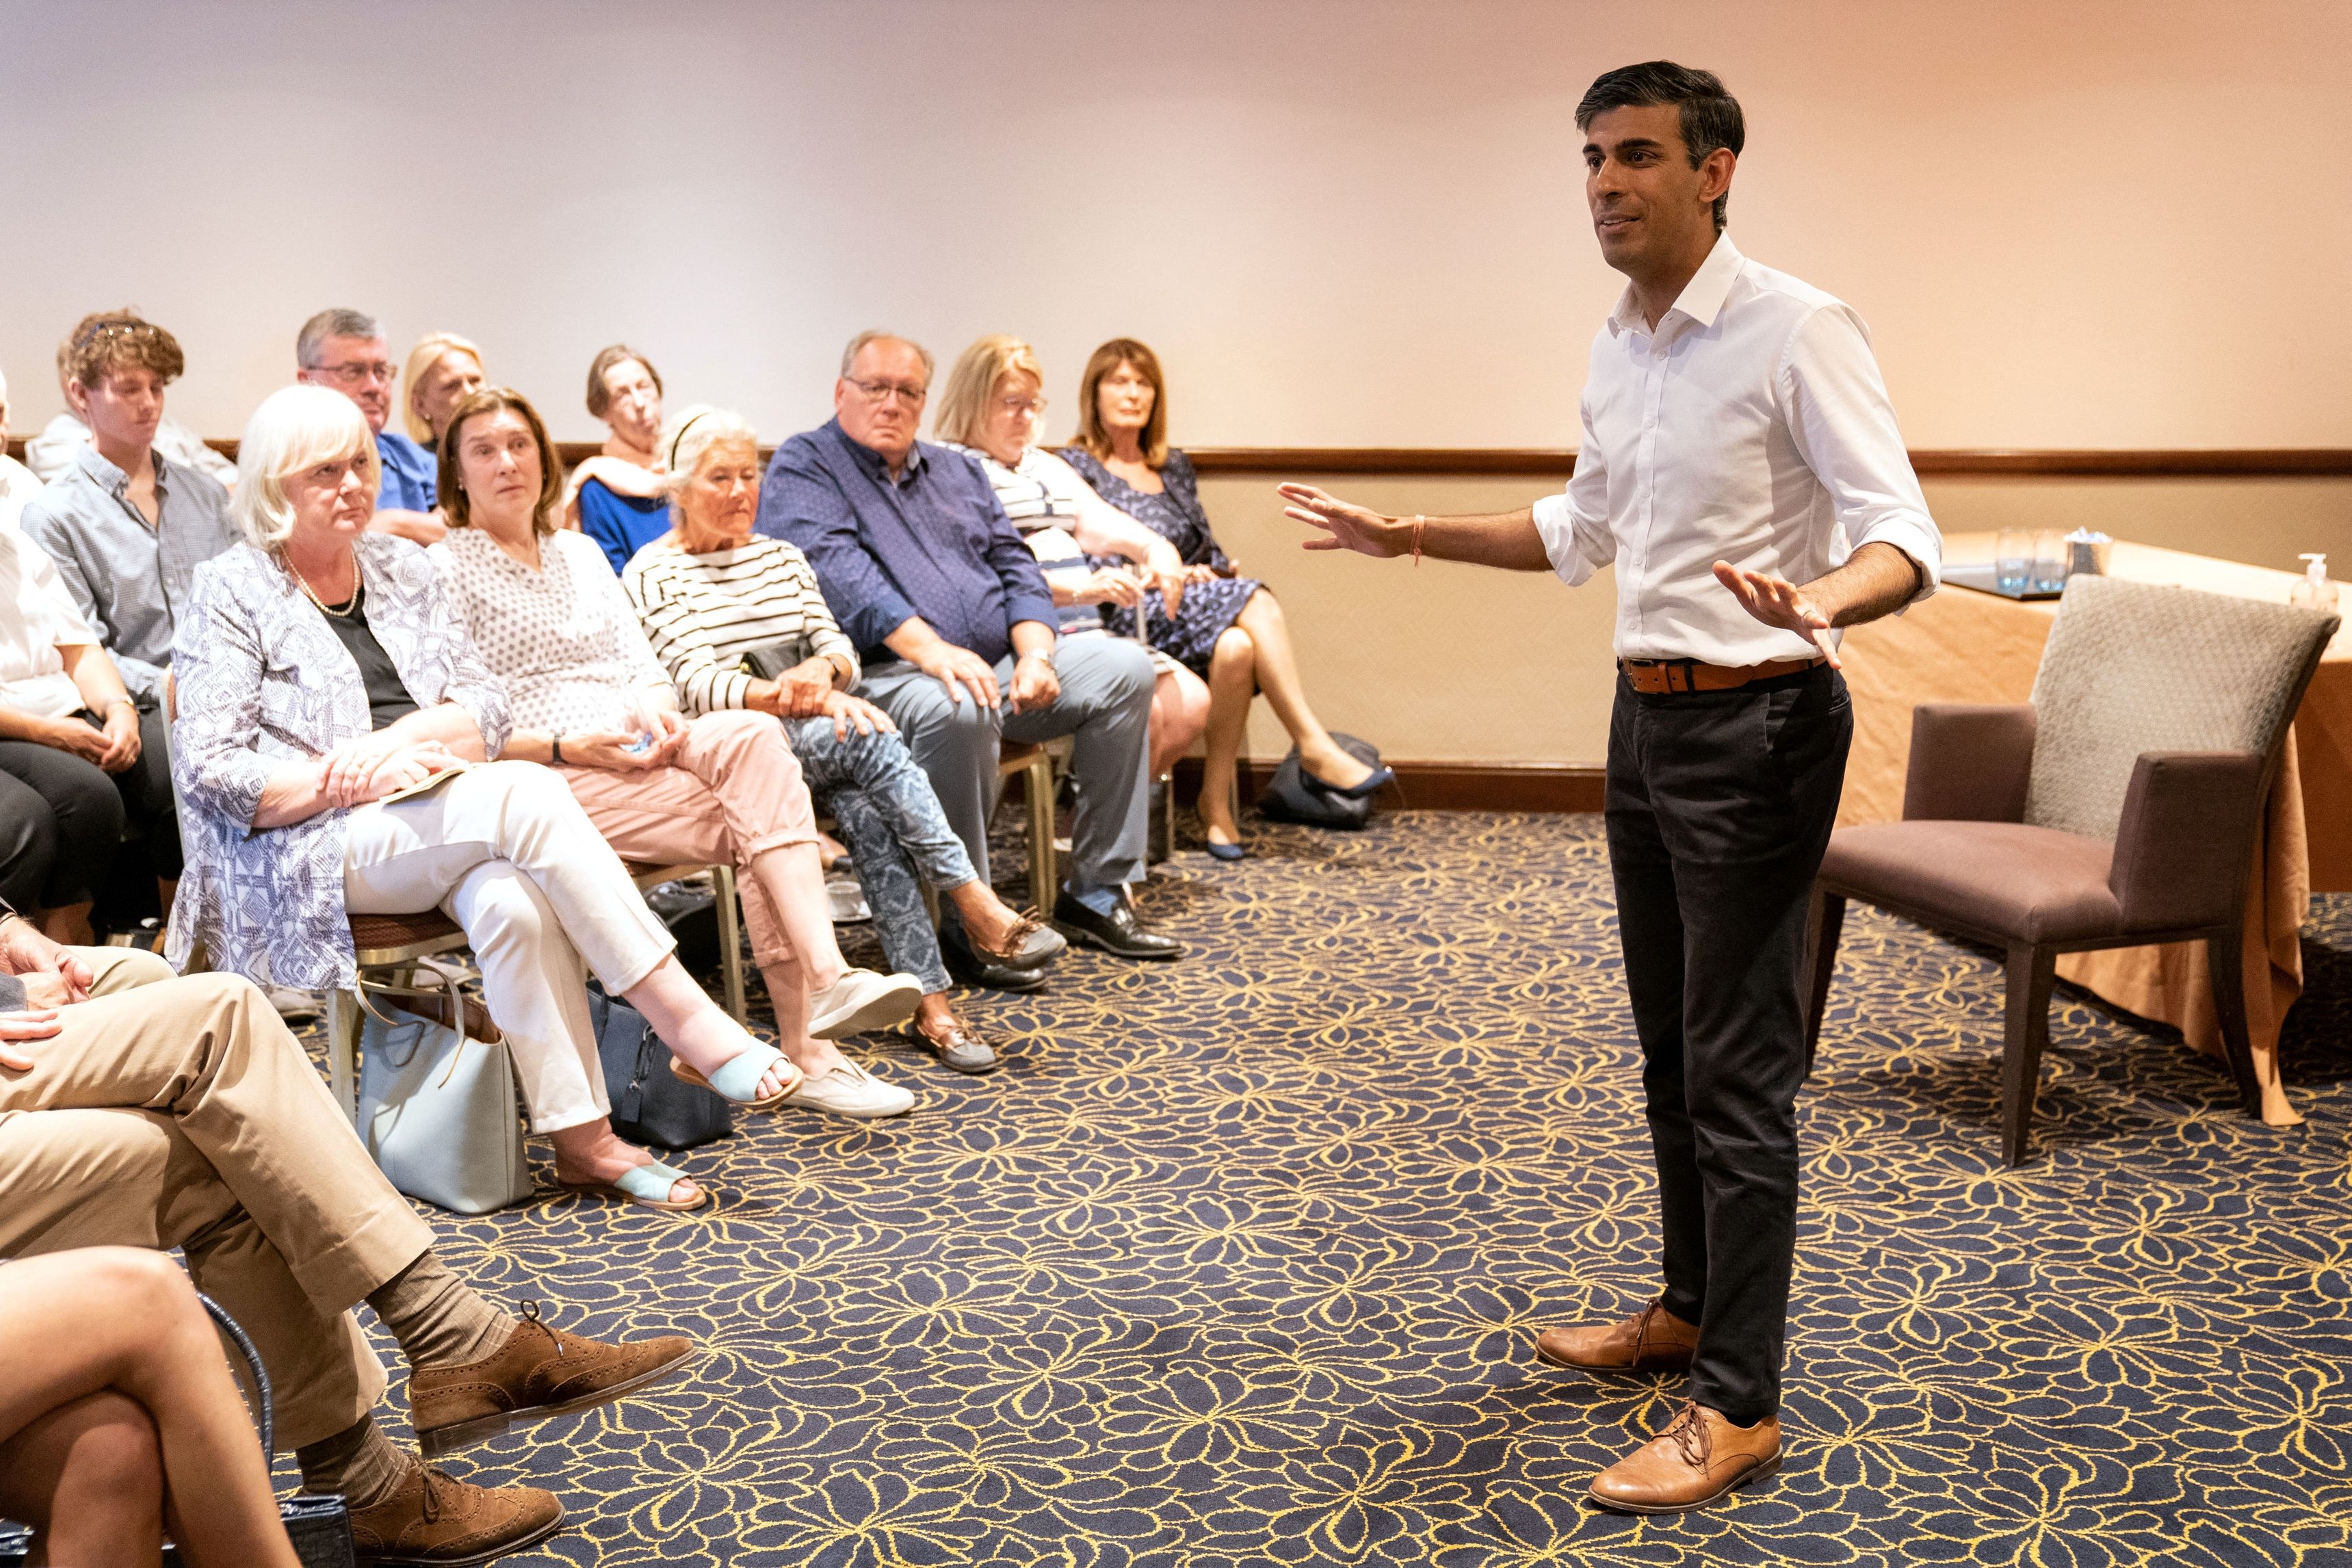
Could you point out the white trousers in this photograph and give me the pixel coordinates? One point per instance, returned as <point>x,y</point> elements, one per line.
<point>506,852</point>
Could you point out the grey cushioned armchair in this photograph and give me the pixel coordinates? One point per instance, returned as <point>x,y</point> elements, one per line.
<point>2119,807</point>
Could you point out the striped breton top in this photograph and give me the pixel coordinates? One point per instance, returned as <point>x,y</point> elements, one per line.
<point>1044,496</point>
<point>703,613</point>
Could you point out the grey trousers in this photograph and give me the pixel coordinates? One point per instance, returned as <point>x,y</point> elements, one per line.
<point>1105,705</point>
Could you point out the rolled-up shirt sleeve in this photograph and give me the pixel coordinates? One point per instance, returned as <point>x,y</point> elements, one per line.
<point>1843,425</point>
<point>800,504</point>
<point>1574,524</point>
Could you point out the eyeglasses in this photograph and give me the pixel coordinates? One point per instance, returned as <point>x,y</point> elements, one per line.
<point>354,374</point>
<point>1022,405</point>
<point>882,392</point>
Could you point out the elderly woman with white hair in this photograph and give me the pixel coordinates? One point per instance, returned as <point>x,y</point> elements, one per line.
<point>321,670</point>
<point>591,700</point>
<point>739,623</point>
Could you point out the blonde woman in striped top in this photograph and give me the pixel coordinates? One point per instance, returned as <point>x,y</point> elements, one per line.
<point>739,621</point>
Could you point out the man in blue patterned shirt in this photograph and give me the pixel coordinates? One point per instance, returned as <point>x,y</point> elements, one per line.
<point>955,627</point>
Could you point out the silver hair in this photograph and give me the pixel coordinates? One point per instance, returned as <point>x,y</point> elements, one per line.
<point>849,354</point>
<point>295,428</point>
<point>689,433</point>
<point>333,323</point>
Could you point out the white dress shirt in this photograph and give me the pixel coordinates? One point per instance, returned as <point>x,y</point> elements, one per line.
<point>1751,426</point>
<point>37,618</point>
<point>18,484</point>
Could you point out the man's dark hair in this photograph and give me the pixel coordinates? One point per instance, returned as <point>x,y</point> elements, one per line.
<point>1711,117</point>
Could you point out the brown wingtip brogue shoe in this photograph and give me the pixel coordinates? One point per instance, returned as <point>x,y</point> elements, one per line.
<point>1652,1340</point>
<point>432,1520</point>
<point>541,1371</point>
<point>1700,1458</point>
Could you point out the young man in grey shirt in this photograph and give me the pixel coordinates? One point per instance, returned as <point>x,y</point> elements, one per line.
<point>126,526</point>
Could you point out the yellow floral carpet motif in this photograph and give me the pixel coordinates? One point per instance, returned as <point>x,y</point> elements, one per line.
<point>1237,1261</point>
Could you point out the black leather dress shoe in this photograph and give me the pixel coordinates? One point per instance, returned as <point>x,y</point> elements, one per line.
<point>1119,933</point>
<point>970,967</point>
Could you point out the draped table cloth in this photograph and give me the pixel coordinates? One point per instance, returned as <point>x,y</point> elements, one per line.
<point>1965,646</point>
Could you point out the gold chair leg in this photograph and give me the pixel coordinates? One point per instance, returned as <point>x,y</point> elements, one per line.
<point>730,942</point>
<point>343,1021</point>
<point>1042,879</point>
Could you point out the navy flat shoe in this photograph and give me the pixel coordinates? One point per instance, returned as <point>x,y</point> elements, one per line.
<point>1381,777</point>
<point>1226,852</point>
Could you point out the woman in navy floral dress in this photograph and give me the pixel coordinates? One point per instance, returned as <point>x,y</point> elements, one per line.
<point>1228,628</point>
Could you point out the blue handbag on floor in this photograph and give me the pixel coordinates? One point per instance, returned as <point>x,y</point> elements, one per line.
<point>1291,796</point>
<point>439,1108</point>
<point>651,1104</point>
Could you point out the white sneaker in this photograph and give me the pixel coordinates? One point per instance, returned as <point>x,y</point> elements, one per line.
<point>849,1090</point>
<point>862,1000</point>
<point>848,900</point>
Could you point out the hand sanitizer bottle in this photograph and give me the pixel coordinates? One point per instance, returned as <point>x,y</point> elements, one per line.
<point>2315,592</point>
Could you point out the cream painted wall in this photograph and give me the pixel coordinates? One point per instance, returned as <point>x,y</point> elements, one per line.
<point>1343,223</point>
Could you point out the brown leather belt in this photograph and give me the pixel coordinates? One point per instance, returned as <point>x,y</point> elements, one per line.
<point>1653,676</point>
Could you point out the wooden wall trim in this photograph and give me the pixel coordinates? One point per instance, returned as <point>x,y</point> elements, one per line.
<point>1556,465</point>
<point>1448,786</point>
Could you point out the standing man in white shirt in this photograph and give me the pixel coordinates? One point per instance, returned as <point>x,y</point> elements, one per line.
<point>1741,466</point>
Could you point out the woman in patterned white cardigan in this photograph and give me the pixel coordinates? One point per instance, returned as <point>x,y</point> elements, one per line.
<point>591,700</point>
<point>320,669</point>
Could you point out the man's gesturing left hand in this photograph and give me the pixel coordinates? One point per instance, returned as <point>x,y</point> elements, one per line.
<point>1777,602</point>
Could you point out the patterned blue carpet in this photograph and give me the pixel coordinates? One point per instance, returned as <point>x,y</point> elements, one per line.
<point>1238,1260</point>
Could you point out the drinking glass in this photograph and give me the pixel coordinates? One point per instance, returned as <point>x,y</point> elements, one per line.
<point>2049,561</point>
<point>2012,560</point>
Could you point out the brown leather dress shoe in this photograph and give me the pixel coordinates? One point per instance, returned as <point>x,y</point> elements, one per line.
<point>1700,1458</point>
<point>540,1372</point>
<point>1652,1340</point>
<point>432,1520</point>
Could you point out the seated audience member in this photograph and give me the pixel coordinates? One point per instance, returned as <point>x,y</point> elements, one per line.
<point>141,1111</point>
<point>322,668</point>
<point>347,351</point>
<point>51,452</point>
<point>77,762</point>
<point>589,698</point>
<point>443,370</point>
<point>1228,628</point>
<point>1092,552</point>
<point>115,1405</point>
<point>955,626</point>
<point>615,497</point>
<point>17,482</point>
<point>126,525</point>
<point>714,594</point>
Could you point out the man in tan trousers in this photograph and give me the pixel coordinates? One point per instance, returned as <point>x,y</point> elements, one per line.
<point>142,1109</point>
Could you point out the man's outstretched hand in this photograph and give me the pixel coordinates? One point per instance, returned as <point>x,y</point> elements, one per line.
<point>1345,525</point>
<point>1777,602</point>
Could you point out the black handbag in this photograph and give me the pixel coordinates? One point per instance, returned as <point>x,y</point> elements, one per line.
<point>319,1526</point>
<point>1291,796</point>
<point>651,1104</point>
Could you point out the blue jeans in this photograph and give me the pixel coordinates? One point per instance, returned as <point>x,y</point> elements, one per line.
<point>896,831</point>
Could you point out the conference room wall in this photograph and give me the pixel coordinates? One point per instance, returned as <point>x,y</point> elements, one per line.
<point>1345,223</point>
<point>1449,663</point>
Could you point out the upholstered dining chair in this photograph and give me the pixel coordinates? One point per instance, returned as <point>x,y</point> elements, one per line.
<point>2119,807</point>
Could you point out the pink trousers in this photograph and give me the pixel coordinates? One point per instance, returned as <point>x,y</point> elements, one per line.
<point>732,794</point>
